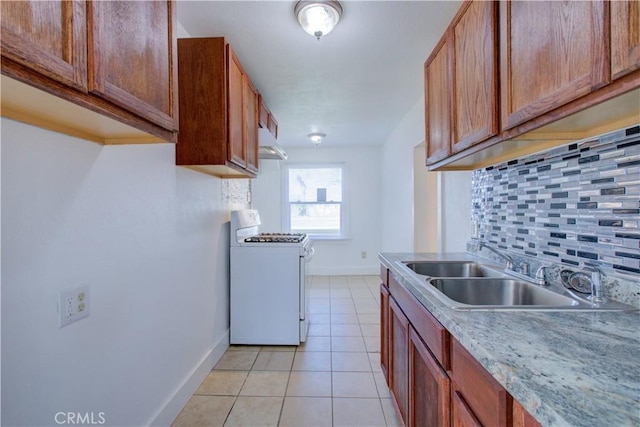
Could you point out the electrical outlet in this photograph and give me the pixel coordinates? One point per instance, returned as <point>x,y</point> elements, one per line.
<point>363,255</point>
<point>73,305</point>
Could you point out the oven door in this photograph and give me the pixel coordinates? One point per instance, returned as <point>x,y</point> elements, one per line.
<point>305,283</point>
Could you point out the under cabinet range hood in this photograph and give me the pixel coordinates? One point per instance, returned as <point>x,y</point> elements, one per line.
<point>269,148</point>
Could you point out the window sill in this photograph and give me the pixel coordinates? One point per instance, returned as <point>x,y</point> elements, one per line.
<point>318,237</point>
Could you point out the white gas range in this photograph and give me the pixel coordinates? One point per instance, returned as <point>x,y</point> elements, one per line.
<point>269,295</point>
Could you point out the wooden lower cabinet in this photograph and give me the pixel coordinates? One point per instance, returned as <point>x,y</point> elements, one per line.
<point>433,379</point>
<point>462,415</point>
<point>429,386</point>
<point>485,397</point>
<point>399,358</point>
<point>384,331</point>
<point>522,418</point>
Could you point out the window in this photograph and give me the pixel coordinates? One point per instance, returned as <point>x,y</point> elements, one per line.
<point>314,200</point>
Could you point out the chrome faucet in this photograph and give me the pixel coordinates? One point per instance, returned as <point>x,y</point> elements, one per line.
<point>540,277</point>
<point>597,289</point>
<point>507,258</point>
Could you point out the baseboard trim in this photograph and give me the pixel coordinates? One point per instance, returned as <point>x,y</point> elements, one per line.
<point>172,407</point>
<point>345,271</point>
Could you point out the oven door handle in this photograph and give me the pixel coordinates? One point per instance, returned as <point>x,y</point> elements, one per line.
<point>309,253</point>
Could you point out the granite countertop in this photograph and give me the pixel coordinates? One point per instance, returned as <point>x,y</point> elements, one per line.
<point>565,368</point>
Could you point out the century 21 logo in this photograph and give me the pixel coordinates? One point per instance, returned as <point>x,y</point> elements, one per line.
<point>80,418</point>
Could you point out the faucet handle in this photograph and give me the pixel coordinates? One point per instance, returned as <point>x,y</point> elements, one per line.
<point>509,265</point>
<point>540,276</point>
<point>525,268</point>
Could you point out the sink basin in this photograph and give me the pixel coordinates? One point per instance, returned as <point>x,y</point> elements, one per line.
<point>486,293</point>
<point>471,285</point>
<point>499,292</point>
<point>451,269</point>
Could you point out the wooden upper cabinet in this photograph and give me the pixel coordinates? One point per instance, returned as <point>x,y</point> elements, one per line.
<point>625,37</point>
<point>263,114</point>
<point>130,57</point>
<point>251,97</point>
<point>48,37</point>
<point>475,75</point>
<point>551,53</point>
<point>113,63</point>
<point>273,125</point>
<point>218,110</point>
<point>437,103</point>
<point>237,147</point>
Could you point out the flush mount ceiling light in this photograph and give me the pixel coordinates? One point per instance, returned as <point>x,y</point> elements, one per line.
<point>318,17</point>
<point>316,138</point>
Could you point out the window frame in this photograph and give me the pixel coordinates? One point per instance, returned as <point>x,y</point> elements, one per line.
<point>286,205</point>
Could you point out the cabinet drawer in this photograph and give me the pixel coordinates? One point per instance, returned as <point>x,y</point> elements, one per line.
<point>384,275</point>
<point>434,335</point>
<point>488,400</point>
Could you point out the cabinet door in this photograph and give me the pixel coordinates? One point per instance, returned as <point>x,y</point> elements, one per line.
<point>399,358</point>
<point>462,415</point>
<point>551,53</point>
<point>48,37</point>
<point>131,57</point>
<point>251,124</point>
<point>437,104</point>
<point>625,37</point>
<point>263,115</point>
<point>488,400</point>
<point>384,331</point>
<point>429,386</point>
<point>235,76</point>
<point>522,418</point>
<point>475,64</point>
<point>273,125</point>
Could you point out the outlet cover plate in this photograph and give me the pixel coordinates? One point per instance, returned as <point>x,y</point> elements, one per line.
<point>73,305</point>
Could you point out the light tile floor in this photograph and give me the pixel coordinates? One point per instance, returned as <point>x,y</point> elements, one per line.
<point>334,379</point>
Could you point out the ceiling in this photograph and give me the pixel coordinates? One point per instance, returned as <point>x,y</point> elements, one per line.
<point>355,84</point>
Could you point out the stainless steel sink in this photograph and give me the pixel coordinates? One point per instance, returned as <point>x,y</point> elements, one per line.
<point>451,269</point>
<point>471,285</point>
<point>499,292</point>
<point>482,293</point>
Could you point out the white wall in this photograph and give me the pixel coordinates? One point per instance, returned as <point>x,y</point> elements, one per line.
<point>397,182</point>
<point>425,206</point>
<point>453,197</point>
<point>454,219</point>
<point>149,238</point>
<point>362,178</point>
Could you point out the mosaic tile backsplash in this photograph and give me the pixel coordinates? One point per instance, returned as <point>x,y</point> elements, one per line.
<point>579,202</point>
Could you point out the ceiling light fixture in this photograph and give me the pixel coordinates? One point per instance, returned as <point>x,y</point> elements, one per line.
<point>318,18</point>
<point>316,138</point>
